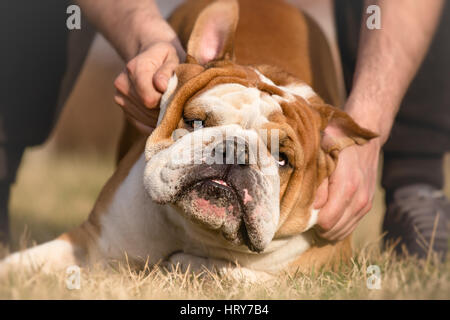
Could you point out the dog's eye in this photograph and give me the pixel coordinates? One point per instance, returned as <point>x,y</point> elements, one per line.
<point>283,160</point>
<point>194,123</point>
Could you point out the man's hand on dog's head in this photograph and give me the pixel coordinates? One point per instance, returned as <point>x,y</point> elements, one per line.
<point>140,86</point>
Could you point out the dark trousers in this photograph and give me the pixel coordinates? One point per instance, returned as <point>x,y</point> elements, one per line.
<point>39,65</point>
<point>421,132</point>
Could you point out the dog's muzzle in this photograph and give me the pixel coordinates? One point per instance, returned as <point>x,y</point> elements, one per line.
<point>234,197</point>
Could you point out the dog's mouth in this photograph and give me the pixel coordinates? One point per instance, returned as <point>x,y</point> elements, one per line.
<point>218,205</point>
<point>218,183</point>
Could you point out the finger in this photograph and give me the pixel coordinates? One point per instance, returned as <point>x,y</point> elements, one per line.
<point>162,76</point>
<point>164,73</point>
<point>133,115</point>
<point>345,232</point>
<point>321,195</point>
<point>337,227</point>
<point>349,220</point>
<point>141,71</point>
<point>353,223</point>
<point>126,104</point>
<point>136,111</point>
<point>146,117</point>
<point>124,85</point>
<point>340,226</point>
<point>339,198</point>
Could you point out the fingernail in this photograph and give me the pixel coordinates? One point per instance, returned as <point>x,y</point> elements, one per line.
<point>119,100</point>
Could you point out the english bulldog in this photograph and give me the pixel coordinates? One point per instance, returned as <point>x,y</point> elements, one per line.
<point>227,179</point>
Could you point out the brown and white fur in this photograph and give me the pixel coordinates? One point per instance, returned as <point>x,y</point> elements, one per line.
<point>252,65</point>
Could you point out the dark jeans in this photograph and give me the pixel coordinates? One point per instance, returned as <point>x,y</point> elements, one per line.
<point>421,132</point>
<point>39,64</point>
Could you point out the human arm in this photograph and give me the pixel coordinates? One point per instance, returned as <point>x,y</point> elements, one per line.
<point>147,44</point>
<point>387,61</point>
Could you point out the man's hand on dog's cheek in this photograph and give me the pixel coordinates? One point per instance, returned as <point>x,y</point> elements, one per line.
<point>347,195</point>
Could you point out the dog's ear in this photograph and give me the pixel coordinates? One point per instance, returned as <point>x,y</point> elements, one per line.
<point>348,131</point>
<point>213,35</point>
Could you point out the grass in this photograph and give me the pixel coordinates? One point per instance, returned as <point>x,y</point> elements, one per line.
<point>401,279</point>
<point>55,192</point>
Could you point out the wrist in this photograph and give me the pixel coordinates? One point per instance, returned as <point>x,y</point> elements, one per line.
<point>155,29</point>
<point>370,115</point>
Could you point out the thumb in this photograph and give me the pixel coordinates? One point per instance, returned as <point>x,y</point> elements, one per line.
<point>321,195</point>
<point>162,76</point>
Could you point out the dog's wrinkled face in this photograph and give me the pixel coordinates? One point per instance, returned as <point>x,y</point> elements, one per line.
<point>219,169</point>
<point>234,151</point>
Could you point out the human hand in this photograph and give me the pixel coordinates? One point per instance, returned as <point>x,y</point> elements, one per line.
<point>144,80</point>
<point>345,197</point>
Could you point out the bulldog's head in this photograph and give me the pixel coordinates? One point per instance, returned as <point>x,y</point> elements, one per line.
<point>238,149</point>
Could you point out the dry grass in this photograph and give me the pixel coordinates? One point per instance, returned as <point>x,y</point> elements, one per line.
<point>401,279</point>
<point>54,193</point>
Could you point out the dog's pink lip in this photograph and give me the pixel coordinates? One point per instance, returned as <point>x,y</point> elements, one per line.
<point>243,201</point>
<point>221,182</point>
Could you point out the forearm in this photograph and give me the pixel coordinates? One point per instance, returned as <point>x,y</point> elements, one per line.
<point>388,60</point>
<point>129,24</point>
